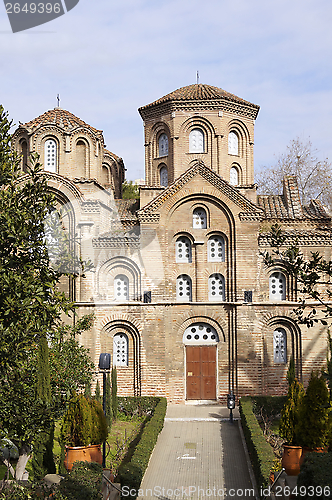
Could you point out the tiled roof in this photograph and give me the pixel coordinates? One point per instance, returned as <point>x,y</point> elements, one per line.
<point>199,91</point>
<point>127,209</point>
<point>60,117</point>
<point>275,207</point>
<point>107,152</point>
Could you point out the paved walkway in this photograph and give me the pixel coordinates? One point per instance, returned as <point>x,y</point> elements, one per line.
<point>199,455</point>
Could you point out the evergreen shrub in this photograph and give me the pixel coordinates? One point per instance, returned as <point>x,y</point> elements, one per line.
<point>289,413</point>
<point>316,471</point>
<point>84,481</point>
<point>261,453</point>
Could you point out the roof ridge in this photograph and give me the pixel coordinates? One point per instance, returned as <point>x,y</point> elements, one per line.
<point>61,118</point>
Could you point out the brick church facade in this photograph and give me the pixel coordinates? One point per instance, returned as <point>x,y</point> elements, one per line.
<point>181,298</point>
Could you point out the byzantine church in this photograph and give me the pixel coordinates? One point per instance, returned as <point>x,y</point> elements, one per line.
<point>181,298</point>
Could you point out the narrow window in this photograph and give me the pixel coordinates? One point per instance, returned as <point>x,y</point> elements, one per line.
<point>280,345</point>
<point>24,150</point>
<point>199,218</point>
<point>163,176</point>
<point>50,157</point>
<point>81,151</point>
<point>234,176</point>
<point>183,249</point>
<point>277,286</point>
<point>120,350</point>
<point>196,141</point>
<point>183,288</point>
<point>216,286</point>
<point>121,287</point>
<point>233,144</point>
<point>216,249</point>
<point>163,145</point>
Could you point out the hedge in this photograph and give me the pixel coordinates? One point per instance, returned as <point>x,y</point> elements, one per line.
<point>316,471</point>
<point>130,474</point>
<point>143,405</point>
<point>260,451</point>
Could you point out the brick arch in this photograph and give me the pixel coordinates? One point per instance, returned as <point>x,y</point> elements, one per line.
<point>129,266</point>
<point>113,325</point>
<point>218,324</point>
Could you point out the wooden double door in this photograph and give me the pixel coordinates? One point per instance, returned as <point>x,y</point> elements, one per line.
<point>201,372</point>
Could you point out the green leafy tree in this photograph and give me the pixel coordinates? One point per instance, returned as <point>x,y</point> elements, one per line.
<point>31,304</point>
<point>130,190</point>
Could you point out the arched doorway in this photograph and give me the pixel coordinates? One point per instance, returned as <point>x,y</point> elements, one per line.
<point>201,340</point>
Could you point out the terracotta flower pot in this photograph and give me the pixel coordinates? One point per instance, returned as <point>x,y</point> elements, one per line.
<point>90,453</point>
<point>291,459</point>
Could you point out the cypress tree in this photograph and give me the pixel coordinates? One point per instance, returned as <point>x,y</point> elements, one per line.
<point>87,390</point>
<point>97,393</point>
<point>114,394</point>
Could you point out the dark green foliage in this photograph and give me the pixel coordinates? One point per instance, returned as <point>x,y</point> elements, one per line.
<point>84,423</point>
<point>76,429</point>
<point>97,395</point>
<point>109,412</point>
<point>269,406</point>
<point>83,482</point>
<point>260,451</point>
<point>130,191</point>
<point>328,373</point>
<point>143,405</point>
<point>131,474</point>
<point>316,472</point>
<point>289,413</point>
<point>313,425</point>
<point>87,390</point>
<point>99,423</point>
<point>114,394</point>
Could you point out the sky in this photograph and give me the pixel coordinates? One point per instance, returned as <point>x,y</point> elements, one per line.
<point>107,58</point>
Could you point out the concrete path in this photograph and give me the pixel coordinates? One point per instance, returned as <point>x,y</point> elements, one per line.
<point>199,455</point>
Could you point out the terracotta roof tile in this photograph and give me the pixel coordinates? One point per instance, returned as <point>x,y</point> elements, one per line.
<point>60,117</point>
<point>199,92</point>
<point>127,209</point>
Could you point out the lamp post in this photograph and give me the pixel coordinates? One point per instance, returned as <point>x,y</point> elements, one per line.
<point>231,405</point>
<point>104,367</point>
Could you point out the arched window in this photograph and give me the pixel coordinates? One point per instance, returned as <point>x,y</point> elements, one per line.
<point>280,345</point>
<point>233,144</point>
<point>50,157</point>
<point>120,350</point>
<point>200,333</point>
<point>183,249</point>
<point>163,176</point>
<point>81,151</point>
<point>216,249</point>
<point>163,145</point>
<point>234,176</point>
<point>196,141</point>
<point>121,287</point>
<point>277,286</point>
<point>183,288</point>
<point>199,218</point>
<point>216,286</point>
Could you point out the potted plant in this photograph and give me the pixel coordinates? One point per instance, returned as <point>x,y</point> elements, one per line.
<point>313,424</point>
<point>287,429</point>
<point>83,429</point>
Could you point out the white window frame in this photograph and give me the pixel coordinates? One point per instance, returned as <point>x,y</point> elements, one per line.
<point>199,219</point>
<point>51,155</point>
<point>183,252</point>
<point>196,141</point>
<point>216,248</point>
<point>183,288</point>
<point>124,288</point>
<point>163,145</point>
<point>234,176</point>
<point>120,349</point>
<point>200,334</point>
<point>280,345</point>
<point>277,286</point>
<point>233,143</point>
<point>215,281</point>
